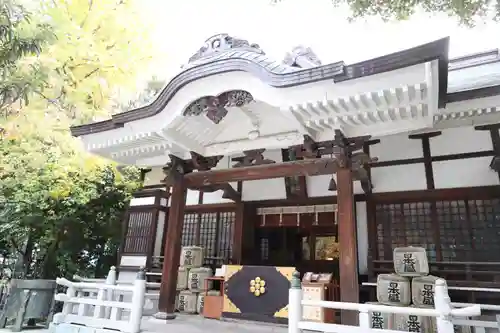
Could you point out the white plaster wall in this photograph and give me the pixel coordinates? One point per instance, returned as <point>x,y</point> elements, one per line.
<point>317,186</point>
<point>460,140</point>
<point>266,189</point>
<point>142,201</point>
<point>362,237</point>
<point>192,198</point>
<point>399,178</point>
<point>396,147</point>
<point>465,172</point>
<point>216,197</point>
<point>154,177</point>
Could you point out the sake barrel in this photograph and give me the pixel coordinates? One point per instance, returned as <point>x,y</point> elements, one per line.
<point>393,289</point>
<point>422,291</point>
<point>197,277</point>
<point>191,256</point>
<point>412,323</point>
<point>379,320</point>
<point>200,303</point>
<point>201,299</point>
<point>410,261</point>
<point>182,278</point>
<point>187,301</point>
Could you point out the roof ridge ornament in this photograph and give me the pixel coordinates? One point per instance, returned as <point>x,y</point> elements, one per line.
<point>223,42</point>
<point>302,57</point>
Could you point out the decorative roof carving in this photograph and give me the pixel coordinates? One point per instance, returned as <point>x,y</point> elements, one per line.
<point>223,42</point>
<point>302,57</point>
<point>214,107</point>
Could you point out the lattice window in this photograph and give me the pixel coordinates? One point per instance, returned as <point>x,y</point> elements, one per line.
<point>226,230</point>
<point>138,236</point>
<point>213,232</point>
<point>190,229</point>
<point>407,224</point>
<point>485,227</point>
<point>453,234</point>
<point>208,233</point>
<point>465,231</point>
<point>264,249</point>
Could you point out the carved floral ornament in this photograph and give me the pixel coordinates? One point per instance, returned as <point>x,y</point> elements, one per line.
<point>215,107</point>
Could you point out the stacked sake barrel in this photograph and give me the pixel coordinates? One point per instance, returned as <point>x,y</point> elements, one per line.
<point>411,286</point>
<point>191,280</point>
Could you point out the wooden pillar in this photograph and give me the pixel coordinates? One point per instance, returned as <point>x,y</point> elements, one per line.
<point>348,261</point>
<point>172,251</point>
<point>238,234</point>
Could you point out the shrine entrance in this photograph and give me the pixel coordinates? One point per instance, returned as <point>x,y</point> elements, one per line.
<point>304,237</point>
<point>346,161</point>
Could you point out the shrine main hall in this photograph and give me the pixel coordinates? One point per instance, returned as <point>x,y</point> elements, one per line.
<point>320,167</point>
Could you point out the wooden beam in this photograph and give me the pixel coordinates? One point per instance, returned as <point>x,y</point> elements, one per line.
<point>348,259</point>
<point>166,303</point>
<point>229,191</point>
<point>323,166</point>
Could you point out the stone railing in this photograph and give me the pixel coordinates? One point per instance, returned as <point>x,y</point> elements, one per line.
<point>98,305</point>
<point>443,313</point>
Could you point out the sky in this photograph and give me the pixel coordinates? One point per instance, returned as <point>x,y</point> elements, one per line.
<point>181,27</point>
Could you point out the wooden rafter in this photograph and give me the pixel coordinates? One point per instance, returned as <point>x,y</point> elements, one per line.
<point>178,168</point>
<point>346,151</point>
<point>251,158</point>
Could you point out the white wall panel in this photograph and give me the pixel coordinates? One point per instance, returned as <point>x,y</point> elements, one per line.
<point>266,189</point>
<point>460,140</point>
<point>396,147</point>
<point>399,178</point>
<point>464,173</point>
<point>154,177</point>
<point>317,186</point>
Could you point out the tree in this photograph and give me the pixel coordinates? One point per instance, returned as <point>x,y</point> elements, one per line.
<point>144,97</point>
<point>19,39</point>
<point>468,12</point>
<point>97,50</point>
<point>60,208</point>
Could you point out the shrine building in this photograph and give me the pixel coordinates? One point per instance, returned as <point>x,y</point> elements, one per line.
<point>320,167</point>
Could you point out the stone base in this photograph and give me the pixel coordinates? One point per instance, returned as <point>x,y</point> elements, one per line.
<point>73,328</point>
<point>164,316</point>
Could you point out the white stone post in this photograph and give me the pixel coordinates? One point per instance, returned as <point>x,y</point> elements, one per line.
<point>442,303</point>
<point>295,304</point>
<point>68,307</point>
<point>364,317</point>
<point>138,298</point>
<point>110,280</point>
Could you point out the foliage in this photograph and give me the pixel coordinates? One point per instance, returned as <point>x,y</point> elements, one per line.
<point>146,96</point>
<point>60,208</point>
<point>70,204</point>
<point>19,39</point>
<point>468,12</point>
<point>98,48</point>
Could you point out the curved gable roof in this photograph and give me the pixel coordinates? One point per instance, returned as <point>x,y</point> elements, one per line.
<point>222,54</point>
